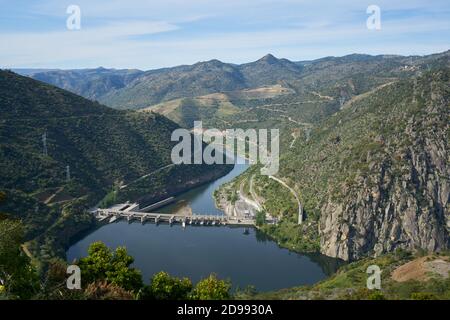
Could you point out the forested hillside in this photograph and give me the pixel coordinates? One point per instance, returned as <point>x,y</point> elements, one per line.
<point>89,83</point>
<point>60,154</point>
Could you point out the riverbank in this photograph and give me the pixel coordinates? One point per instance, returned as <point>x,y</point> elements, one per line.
<point>424,277</point>
<point>69,223</point>
<point>286,230</point>
<point>85,229</point>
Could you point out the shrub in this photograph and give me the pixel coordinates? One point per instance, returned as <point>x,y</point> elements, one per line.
<point>212,288</point>
<point>164,287</point>
<point>103,290</point>
<point>423,296</point>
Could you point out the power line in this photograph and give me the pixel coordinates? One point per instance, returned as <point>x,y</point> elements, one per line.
<point>67,173</point>
<point>44,143</point>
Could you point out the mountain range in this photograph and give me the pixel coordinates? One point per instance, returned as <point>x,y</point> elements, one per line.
<point>135,89</point>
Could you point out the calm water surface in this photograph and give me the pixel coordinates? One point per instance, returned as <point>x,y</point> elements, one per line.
<point>244,256</point>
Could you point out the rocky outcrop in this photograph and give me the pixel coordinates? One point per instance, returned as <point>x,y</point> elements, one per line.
<point>402,201</point>
<point>410,212</point>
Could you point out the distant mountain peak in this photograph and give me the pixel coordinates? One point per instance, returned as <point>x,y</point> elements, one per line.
<point>213,62</point>
<point>269,58</point>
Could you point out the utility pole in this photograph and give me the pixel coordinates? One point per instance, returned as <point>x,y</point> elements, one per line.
<point>67,173</point>
<point>342,101</point>
<point>300,214</point>
<point>44,143</point>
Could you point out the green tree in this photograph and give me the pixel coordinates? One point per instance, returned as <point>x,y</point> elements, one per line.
<point>260,218</point>
<point>18,278</point>
<point>113,267</point>
<point>164,287</point>
<point>212,288</point>
<point>54,284</point>
<point>103,290</point>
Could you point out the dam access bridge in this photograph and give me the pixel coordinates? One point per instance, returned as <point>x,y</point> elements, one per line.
<point>132,213</point>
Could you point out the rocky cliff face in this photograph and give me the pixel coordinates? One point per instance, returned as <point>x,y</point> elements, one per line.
<point>402,199</point>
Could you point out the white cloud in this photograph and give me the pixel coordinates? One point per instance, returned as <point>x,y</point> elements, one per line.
<point>33,48</point>
<point>314,31</point>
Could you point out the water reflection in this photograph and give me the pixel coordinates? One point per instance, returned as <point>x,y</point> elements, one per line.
<point>244,255</point>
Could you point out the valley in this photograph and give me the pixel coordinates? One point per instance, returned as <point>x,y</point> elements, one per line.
<point>104,149</point>
<point>364,166</point>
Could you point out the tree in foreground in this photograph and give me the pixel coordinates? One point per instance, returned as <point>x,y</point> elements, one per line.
<point>164,287</point>
<point>54,284</point>
<point>103,290</point>
<point>212,288</point>
<point>102,264</point>
<point>18,278</point>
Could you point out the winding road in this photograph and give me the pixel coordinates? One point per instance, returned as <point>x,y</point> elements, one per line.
<point>300,207</point>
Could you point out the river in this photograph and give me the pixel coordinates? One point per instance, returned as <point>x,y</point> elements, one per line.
<point>243,255</point>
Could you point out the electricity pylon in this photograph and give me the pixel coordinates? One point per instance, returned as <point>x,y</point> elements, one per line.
<point>44,143</point>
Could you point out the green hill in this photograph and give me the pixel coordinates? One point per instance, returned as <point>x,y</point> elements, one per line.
<point>155,86</point>
<point>374,176</point>
<point>89,83</point>
<point>102,147</point>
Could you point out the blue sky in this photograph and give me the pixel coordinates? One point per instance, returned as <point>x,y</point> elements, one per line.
<point>152,34</point>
